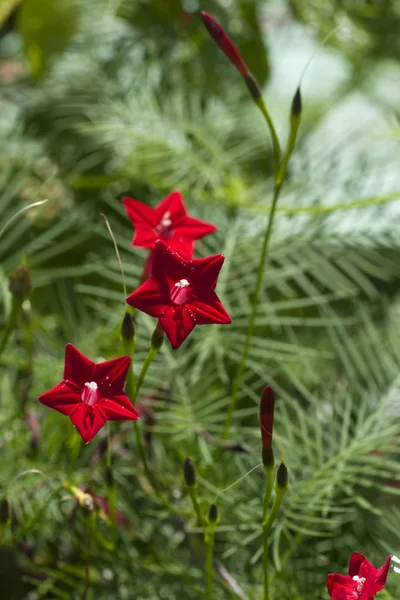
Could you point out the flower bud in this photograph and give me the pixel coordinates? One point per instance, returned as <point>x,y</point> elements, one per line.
<point>225,43</point>
<point>296,104</point>
<point>213,514</point>
<point>253,86</point>
<point>189,472</point>
<point>20,283</point>
<point>282,476</point>
<point>266,416</point>
<point>157,338</point>
<point>128,327</point>
<point>268,458</point>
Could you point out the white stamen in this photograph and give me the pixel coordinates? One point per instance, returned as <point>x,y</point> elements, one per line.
<point>360,584</point>
<point>182,283</point>
<point>92,385</point>
<point>166,221</point>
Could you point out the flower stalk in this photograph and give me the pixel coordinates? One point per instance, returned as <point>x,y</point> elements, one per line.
<point>209,540</point>
<point>279,177</point>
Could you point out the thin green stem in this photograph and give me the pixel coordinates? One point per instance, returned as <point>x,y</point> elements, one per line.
<point>11,323</point>
<point>279,494</point>
<point>196,505</point>
<point>111,488</point>
<point>149,359</point>
<point>274,137</point>
<point>209,543</point>
<point>108,458</point>
<point>253,315</point>
<point>267,498</point>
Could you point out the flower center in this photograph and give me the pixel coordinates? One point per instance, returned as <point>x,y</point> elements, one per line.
<point>180,292</point>
<point>164,227</point>
<point>90,394</point>
<point>360,584</point>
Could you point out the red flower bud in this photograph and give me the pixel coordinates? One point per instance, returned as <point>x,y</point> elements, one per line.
<point>266,416</point>
<point>225,43</point>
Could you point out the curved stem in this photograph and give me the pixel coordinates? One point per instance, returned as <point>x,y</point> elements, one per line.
<point>274,137</point>
<point>149,359</point>
<point>11,323</point>
<point>253,314</point>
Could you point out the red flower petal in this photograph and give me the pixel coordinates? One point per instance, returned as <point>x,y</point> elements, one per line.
<point>360,565</point>
<point>110,375</point>
<point>195,229</point>
<point>63,397</point>
<point>117,408</point>
<point>177,323</point>
<point>145,220</point>
<point>182,246</point>
<point>225,43</point>
<point>168,267</point>
<point>206,271</point>
<point>209,310</point>
<point>341,587</point>
<point>147,298</point>
<point>174,205</point>
<point>88,421</point>
<point>77,368</point>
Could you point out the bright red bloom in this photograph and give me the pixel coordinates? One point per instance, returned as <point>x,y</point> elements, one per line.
<point>362,582</point>
<point>168,221</point>
<point>266,416</point>
<point>180,293</point>
<point>91,394</point>
<point>225,43</point>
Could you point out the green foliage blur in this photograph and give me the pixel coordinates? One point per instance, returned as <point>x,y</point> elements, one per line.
<point>102,99</point>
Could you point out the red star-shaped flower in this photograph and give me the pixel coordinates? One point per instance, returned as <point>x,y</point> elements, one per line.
<point>362,582</point>
<point>91,394</point>
<point>168,221</point>
<point>180,293</point>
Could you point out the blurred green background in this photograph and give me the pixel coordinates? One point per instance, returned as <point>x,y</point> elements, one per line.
<point>105,98</point>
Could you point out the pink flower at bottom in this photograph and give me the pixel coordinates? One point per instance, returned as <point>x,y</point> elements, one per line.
<point>362,582</point>
<point>91,394</point>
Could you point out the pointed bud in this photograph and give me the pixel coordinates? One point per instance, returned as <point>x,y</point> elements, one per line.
<point>225,43</point>
<point>266,416</point>
<point>20,283</point>
<point>296,104</point>
<point>253,86</point>
<point>282,477</point>
<point>213,514</point>
<point>189,472</point>
<point>157,338</point>
<point>128,327</point>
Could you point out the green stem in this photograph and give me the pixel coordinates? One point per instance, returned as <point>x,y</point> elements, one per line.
<point>279,494</point>
<point>275,141</point>
<point>209,543</point>
<point>196,505</point>
<point>267,498</point>
<point>149,359</point>
<point>111,488</point>
<point>11,323</point>
<point>253,315</point>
